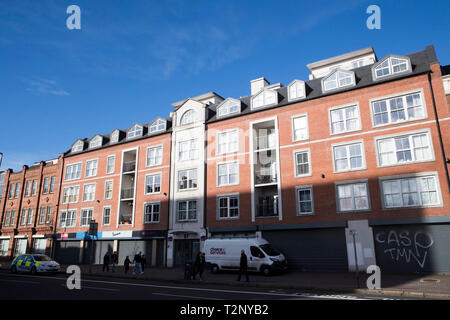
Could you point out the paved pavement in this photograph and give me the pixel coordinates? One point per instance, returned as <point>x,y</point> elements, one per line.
<point>404,285</point>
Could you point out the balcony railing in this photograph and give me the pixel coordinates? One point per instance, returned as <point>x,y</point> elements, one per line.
<point>265,178</point>
<point>125,219</point>
<point>129,166</point>
<point>127,193</point>
<point>267,210</point>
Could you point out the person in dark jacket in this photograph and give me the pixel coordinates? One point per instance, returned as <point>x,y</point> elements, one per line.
<point>143,262</point>
<point>196,268</point>
<point>126,264</point>
<point>243,266</point>
<point>114,261</point>
<point>106,262</point>
<point>202,265</point>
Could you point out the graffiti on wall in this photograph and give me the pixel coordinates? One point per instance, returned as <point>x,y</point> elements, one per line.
<point>405,246</point>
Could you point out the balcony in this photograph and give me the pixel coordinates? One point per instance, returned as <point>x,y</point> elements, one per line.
<point>267,209</point>
<point>265,178</point>
<point>129,166</point>
<point>127,193</point>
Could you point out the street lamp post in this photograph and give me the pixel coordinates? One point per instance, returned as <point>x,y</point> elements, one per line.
<point>354,233</point>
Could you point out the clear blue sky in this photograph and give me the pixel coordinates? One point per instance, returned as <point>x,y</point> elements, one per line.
<point>132,59</point>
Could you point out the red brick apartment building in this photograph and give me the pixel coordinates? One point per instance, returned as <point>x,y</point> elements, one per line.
<point>354,159</point>
<point>359,148</point>
<point>120,180</point>
<point>29,202</point>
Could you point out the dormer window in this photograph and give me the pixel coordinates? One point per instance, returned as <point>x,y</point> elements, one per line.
<point>115,136</point>
<point>338,79</point>
<point>228,107</point>
<point>135,131</point>
<point>391,66</point>
<point>264,98</point>
<point>158,125</point>
<point>296,90</point>
<point>78,146</point>
<point>188,117</point>
<point>96,142</point>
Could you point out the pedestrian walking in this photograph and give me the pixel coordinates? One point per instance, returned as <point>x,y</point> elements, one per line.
<point>202,265</point>
<point>143,262</point>
<point>243,266</point>
<point>114,261</point>
<point>126,264</point>
<point>106,259</point>
<point>137,263</point>
<point>196,267</point>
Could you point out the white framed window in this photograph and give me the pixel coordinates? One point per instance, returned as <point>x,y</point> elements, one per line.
<point>4,246</point>
<point>188,150</point>
<point>12,220</point>
<point>151,212</point>
<point>16,194</point>
<point>398,109</point>
<point>391,66</point>
<point>228,141</point>
<point>302,162</point>
<point>227,173</point>
<point>115,136</point>
<point>188,117</point>
<point>86,217</point>
<point>338,79</point>
<point>344,119</point>
<point>52,184</point>
<point>228,206</point>
<point>300,129</point>
<point>41,215</point>
<point>296,90</point>
<point>30,216</point>
<point>70,194</point>
<point>187,210</point>
<point>49,214</point>
<point>68,218</point>
<point>228,107</point>
<point>78,146</point>
<point>348,157</point>
<point>187,179</point>
<point>352,196</point>
<point>415,190</point>
<point>158,125</point>
<point>91,168</point>
<point>135,131</point>
<point>152,183</point>
<point>46,185</point>
<point>154,156</point>
<point>96,142</point>
<point>404,149</point>
<point>27,189</point>
<point>7,217</point>
<point>305,202</point>
<point>110,164</point>
<point>34,187</point>
<point>73,171</point>
<point>106,217</point>
<point>89,192</point>
<point>11,191</point>
<point>108,189</point>
<point>264,98</point>
<point>24,217</point>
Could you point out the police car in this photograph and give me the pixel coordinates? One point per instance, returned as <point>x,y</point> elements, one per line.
<point>34,263</point>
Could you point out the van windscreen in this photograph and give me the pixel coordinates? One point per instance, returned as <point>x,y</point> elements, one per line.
<point>269,250</point>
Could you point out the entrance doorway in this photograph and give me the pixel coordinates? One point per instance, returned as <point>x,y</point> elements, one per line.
<point>185,251</point>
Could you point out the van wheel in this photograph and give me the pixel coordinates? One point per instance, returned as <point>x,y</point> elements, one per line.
<point>265,271</point>
<point>14,269</point>
<point>215,268</point>
<point>33,271</point>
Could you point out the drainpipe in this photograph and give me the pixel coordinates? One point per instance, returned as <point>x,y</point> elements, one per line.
<point>53,250</point>
<point>439,130</point>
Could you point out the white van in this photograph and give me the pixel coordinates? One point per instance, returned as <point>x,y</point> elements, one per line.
<point>225,254</point>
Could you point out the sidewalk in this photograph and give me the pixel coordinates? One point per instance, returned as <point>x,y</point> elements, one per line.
<point>406,285</point>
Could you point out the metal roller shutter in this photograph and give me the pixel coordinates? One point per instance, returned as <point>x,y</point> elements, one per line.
<point>68,252</point>
<point>131,247</point>
<point>420,248</point>
<point>311,249</point>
